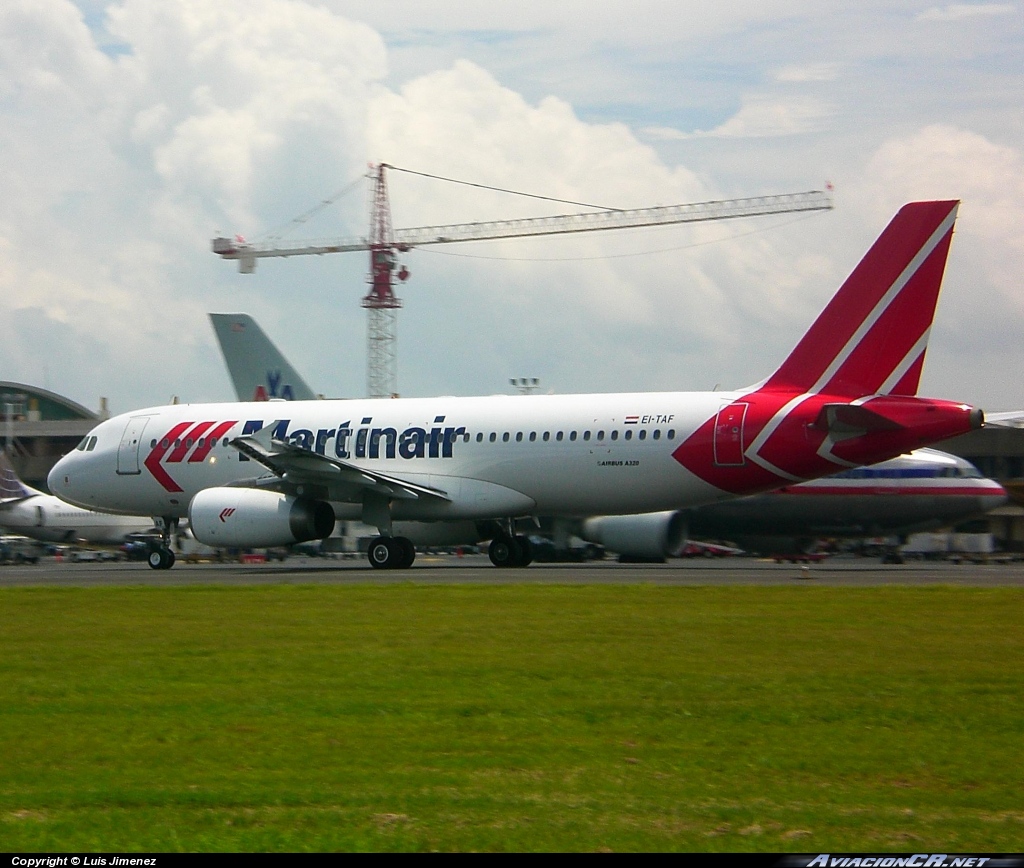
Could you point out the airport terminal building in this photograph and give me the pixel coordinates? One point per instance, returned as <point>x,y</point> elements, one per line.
<point>41,426</point>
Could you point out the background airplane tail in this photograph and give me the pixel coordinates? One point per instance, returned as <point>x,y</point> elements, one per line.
<point>11,487</point>
<point>871,338</point>
<point>257,368</point>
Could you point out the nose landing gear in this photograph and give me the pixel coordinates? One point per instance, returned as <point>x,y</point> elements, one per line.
<point>161,556</point>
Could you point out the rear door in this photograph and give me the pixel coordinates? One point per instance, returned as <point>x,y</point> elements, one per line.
<point>729,440</point>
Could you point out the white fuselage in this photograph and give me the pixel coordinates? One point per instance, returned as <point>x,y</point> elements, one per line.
<point>49,519</point>
<point>498,456</point>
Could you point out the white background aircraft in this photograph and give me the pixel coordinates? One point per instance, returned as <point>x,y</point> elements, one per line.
<point>923,490</point>
<point>845,396</point>
<point>49,519</point>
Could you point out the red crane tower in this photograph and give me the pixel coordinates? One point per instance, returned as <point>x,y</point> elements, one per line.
<point>381,303</point>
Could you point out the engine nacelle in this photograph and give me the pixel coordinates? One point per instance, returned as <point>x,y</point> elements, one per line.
<point>649,535</point>
<point>254,518</point>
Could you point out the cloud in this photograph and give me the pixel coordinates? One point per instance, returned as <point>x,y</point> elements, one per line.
<point>808,73</point>
<point>963,11</point>
<point>131,136</point>
<point>982,310</point>
<point>761,117</point>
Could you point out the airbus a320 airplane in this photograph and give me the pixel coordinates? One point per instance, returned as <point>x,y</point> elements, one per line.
<point>846,396</point>
<point>921,490</point>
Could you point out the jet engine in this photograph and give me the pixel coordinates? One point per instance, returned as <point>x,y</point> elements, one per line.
<point>254,518</point>
<point>651,535</point>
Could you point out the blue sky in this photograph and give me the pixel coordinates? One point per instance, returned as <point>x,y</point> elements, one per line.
<point>131,132</point>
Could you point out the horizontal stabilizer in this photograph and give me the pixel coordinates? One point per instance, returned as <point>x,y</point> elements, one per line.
<point>843,421</point>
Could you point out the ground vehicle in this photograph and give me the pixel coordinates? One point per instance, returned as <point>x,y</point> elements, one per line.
<point>19,550</point>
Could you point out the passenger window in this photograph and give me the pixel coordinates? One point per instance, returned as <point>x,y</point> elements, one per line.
<point>643,435</point>
<point>657,434</point>
<point>519,437</point>
<point>533,436</point>
<point>558,436</point>
<point>493,437</point>
<point>586,435</point>
<point>629,435</point>
<point>572,435</point>
<point>165,443</point>
<point>504,437</point>
<point>547,436</point>
<point>480,437</point>
<point>615,435</point>
<point>600,435</point>
<point>152,444</point>
<point>671,433</point>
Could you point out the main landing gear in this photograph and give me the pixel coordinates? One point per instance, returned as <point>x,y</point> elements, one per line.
<point>391,553</point>
<point>161,556</point>
<point>510,551</point>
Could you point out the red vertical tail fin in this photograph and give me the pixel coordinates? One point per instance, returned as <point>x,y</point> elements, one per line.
<point>871,338</point>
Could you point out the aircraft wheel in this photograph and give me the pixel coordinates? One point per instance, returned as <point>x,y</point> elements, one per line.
<point>160,559</point>
<point>408,552</point>
<point>525,557</point>
<point>385,553</point>
<point>504,552</point>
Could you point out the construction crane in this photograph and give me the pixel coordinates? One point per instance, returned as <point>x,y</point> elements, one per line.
<point>384,243</point>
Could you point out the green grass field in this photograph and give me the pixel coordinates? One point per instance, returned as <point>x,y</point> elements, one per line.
<point>512,718</point>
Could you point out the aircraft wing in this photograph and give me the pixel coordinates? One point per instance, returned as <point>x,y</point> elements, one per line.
<point>300,468</point>
<point>1011,419</point>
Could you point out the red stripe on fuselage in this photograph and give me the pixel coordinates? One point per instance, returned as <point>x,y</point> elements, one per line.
<point>792,447</point>
<point>187,442</point>
<point>152,461</point>
<point>202,451</point>
<point>881,488</point>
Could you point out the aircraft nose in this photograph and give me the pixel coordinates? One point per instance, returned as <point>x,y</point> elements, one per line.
<point>59,477</point>
<point>66,479</point>
<point>996,497</point>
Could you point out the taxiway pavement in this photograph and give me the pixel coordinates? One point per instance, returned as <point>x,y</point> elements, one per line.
<point>476,569</point>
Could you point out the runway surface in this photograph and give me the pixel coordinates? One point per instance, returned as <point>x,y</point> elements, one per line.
<point>476,569</point>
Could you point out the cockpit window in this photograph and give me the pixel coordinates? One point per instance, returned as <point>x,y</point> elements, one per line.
<point>92,444</point>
